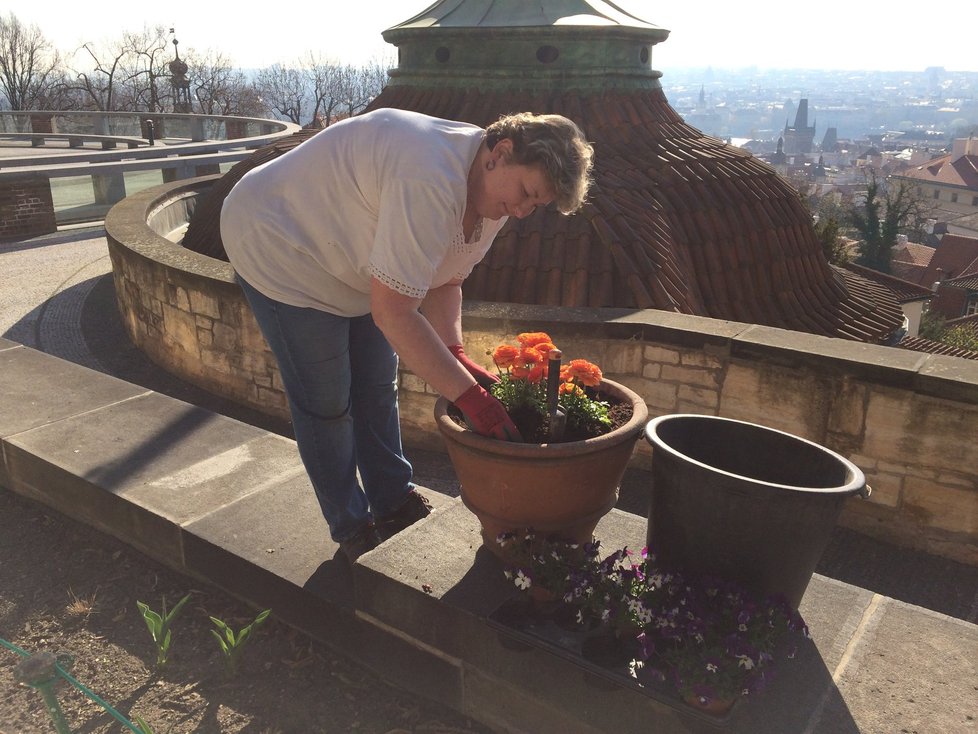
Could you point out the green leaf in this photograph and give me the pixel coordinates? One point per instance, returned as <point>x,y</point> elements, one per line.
<point>176,610</point>
<point>220,641</point>
<point>261,617</point>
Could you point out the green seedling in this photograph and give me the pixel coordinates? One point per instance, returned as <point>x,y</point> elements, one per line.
<point>231,643</point>
<point>144,728</point>
<point>159,627</point>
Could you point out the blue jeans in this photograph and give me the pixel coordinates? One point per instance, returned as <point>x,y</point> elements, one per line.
<point>340,378</point>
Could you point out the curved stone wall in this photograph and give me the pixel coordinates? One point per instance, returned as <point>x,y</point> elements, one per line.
<point>183,309</point>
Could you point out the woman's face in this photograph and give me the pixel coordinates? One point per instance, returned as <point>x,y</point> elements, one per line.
<point>511,189</point>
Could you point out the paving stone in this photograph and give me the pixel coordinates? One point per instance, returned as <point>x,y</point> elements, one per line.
<point>106,467</point>
<point>911,669</point>
<point>39,389</point>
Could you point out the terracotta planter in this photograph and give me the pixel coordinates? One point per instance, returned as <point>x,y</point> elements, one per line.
<point>714,707</point>
<point>562,489</point>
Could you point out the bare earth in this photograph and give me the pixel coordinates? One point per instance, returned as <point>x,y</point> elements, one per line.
<point>67,588</point>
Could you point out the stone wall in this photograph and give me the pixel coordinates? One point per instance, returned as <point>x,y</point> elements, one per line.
<point>26,207</point>
<point>908,420</point>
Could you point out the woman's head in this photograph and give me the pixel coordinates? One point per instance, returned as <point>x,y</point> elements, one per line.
<point>555,145</point>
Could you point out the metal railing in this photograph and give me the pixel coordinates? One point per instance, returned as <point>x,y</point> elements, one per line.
<point>85,184</point>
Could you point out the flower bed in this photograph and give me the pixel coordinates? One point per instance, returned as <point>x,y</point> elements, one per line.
<point>704,639</point>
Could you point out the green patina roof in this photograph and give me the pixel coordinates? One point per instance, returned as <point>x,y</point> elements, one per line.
<point>525,14</point>
<point>519,44</point>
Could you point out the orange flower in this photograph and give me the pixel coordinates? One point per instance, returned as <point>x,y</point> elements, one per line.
<point>504,356</point>
<point>571,388</point>
<point>537,373</point>
<point>528,356</point>
<point>533,338</point>
<point>544,348</point>
<point>587,373</point>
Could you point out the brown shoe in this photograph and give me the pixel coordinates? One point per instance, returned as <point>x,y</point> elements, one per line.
<point>414,508</point>
<point>365,539</point>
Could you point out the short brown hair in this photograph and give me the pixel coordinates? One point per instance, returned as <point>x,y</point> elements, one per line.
<point>554,143</point>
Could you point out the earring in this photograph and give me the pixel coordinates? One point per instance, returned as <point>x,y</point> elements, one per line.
<point>490,164</point>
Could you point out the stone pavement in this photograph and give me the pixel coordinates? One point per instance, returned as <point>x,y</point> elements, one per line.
<point>218,497</point>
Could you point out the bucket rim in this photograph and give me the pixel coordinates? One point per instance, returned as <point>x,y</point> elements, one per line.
<point>856,485</point>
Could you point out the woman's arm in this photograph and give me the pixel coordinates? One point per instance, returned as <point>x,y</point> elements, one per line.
<point>419,339</point>
<point>443,309</point>
<point>442,306</point>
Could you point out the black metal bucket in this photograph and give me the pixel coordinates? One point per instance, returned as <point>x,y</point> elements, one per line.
<point>744,502</point>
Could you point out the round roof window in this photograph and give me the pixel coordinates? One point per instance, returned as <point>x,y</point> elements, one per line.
<point>547,54</point>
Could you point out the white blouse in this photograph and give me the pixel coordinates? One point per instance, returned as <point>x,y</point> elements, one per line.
<point>379,195</point>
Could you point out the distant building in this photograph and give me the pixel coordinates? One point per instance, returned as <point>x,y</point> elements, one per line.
<point>950,184</point>
<point>705,116</point>
<point>952,274</point>
<point>799,138</point>
<point>910,261</point>
<point>830,142</point>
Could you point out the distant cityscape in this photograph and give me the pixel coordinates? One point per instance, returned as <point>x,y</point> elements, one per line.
<point>750,107</point>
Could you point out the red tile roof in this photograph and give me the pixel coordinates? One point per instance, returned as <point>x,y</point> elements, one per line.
<point>962,171</point>
<point>955,256</point>
<point>919,344</point>
<point>970,322</point>
<point>913,253</point>
<point>677,220</point>
<point>903,290</point>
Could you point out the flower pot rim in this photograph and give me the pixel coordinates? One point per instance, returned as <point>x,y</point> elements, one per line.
<point>855,485</point>
<point>632,429</point>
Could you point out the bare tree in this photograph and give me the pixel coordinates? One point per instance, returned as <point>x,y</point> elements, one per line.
<point>220,89</point>
<point>320,88</point>
<point>145,76</point>
<point>285,90</point>
<point>129,74</point>
<point>98,87</point>
<point>29,64</point>
<point>359,85</point>
<point>324,80</point>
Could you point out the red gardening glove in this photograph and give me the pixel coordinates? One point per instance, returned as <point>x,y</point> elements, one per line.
<point>486,416</point>
<point>483,376</point>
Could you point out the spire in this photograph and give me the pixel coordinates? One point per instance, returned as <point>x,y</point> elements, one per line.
<point>801,117</point>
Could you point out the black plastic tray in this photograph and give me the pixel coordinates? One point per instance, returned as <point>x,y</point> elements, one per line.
<point>522,624</point>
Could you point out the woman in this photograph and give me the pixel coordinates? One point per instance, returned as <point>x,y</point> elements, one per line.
<point>351,249</point>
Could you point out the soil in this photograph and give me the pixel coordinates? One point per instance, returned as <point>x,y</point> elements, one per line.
<point>67,588</point>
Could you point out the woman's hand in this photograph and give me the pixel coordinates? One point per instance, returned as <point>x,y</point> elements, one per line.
<point>486,416</point>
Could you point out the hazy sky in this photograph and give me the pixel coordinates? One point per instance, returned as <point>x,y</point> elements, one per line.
<point>836,35</point>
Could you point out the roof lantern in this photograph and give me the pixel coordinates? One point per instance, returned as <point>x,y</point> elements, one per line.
<point>514,44</point>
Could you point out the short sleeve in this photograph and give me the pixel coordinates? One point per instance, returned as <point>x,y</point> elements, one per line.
<point>414,234</point>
